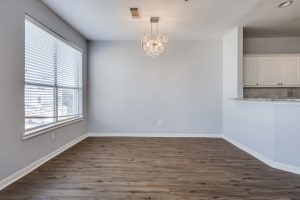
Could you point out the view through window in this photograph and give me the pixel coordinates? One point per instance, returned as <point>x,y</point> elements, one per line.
<point>53,85</point>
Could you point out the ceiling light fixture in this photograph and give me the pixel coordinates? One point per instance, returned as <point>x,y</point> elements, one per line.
<point>154,44</point>
<point>285,4</point>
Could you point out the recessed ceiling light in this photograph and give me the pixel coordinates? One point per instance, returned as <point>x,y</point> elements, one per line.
<point>285,4</point>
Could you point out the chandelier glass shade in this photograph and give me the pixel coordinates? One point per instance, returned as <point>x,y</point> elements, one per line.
<point>154,44</point>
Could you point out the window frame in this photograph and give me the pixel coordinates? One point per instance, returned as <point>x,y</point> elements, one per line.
<point>32,132</point>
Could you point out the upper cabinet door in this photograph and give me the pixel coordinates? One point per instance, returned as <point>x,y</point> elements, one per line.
<point>289,71</point>
<point>268,71</point>
<point>250,71</point>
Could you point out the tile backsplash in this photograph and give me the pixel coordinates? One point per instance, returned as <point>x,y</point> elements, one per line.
<point>272,93</point>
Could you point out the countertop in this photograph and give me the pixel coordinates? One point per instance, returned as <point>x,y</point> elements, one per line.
<point>267,100</point>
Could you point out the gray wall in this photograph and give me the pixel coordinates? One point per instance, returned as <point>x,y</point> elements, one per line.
<point>130,93</point>
<point>272,45</point>
<point>15,154</point>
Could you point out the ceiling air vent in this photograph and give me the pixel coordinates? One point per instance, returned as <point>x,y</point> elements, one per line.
<point>135,12</point>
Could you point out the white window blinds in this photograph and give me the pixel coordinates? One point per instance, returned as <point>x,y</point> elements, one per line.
<point>53,85</point>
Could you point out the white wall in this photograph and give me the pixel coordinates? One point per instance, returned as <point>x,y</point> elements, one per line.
<point>15,154</point>
<point>250,124</point>
<point>275,45</point>
<point>287,134</point>
<point>130,92</point>
<point>268,130</point>
<point>232,72</point>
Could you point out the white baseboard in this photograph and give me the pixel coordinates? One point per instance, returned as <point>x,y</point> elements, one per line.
<point>16,176</point>
<point>285,167</point>
<point>213,135</point>
<point>264,159</point>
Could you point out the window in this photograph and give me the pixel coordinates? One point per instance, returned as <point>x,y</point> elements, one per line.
<point>53,85</point>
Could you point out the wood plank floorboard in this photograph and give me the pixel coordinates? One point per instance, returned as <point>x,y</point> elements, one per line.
<point>155,168</point>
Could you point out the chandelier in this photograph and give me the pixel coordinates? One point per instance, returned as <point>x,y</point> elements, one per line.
<point>154,44</point>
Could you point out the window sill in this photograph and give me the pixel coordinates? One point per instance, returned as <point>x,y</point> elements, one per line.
<point>45,129</point>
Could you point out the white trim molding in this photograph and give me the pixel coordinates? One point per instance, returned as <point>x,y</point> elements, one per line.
<point>19,174</point>
<point>264,159</point>
<point>200,135</point>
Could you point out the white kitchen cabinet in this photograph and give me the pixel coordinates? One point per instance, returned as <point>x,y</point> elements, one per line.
<point>289,67</point>
<point>268,71</point>
<point>250,71</point>
<point>271,70</point>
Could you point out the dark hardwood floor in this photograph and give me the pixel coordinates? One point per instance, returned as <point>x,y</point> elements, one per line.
<point>155,168</point>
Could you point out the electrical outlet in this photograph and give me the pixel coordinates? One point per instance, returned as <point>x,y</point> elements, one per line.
<point>160,123</point>
<point>53,136</point>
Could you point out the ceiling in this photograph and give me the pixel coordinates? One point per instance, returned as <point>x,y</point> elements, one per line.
<point>180,19</point>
